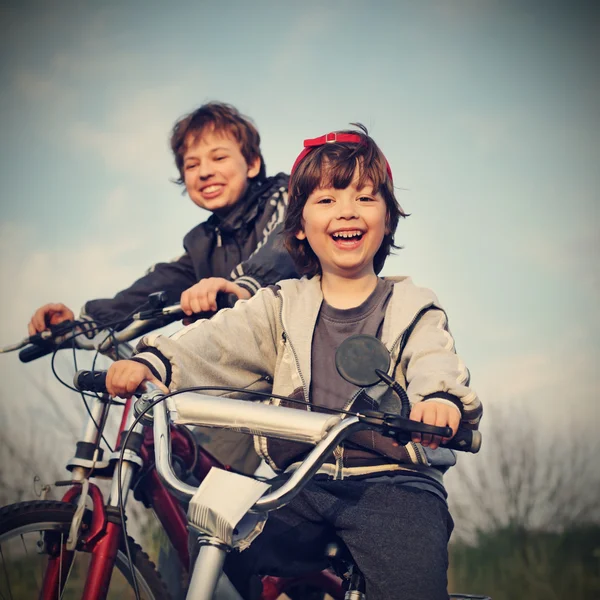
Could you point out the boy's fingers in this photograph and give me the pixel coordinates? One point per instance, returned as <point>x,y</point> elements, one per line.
<point>211,299</point>
<point>429,418</point>
<point>111,381</point>
<point>133,383</point>
<point>441,420</point>
<point>453,422</point>
<point>416,414</point>
<point>160,384</point>
<point>39,320</point>
<point>197,304</point>
<point>184,302</point>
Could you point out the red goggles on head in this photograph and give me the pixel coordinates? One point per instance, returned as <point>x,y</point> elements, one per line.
<point>331,138</point>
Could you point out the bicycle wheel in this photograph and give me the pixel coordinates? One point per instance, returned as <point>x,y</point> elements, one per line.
<point>25,530</point>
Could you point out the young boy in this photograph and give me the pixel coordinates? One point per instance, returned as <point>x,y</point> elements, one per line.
<point>386,502</point>
<point>236,251</point>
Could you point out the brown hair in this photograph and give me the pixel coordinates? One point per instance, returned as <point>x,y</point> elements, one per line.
<point>221,117</point>
<point>333,165</point>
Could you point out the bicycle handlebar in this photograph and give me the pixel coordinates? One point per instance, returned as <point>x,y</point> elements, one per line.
<point>390,425</point>
<point>72,332</point>
<point>69,333</point>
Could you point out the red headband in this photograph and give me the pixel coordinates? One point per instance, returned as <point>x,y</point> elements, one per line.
<point>332,138</point>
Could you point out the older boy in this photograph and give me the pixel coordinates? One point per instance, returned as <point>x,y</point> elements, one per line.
<point>236,251</point>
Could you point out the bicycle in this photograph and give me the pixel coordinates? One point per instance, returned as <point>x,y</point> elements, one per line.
<point>101,527</point>
<point>82,523</point>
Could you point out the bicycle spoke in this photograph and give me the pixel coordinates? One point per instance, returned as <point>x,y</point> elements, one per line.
<point>27,554</point>
<point>5,571</point>
<point>29,549</point>
<point>41,562</point>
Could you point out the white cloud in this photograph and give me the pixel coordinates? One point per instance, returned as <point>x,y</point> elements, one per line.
<point>134,137</point>
<point>34,278</point>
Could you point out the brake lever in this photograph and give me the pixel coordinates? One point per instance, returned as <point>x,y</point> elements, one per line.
<point>43,337</point>
<point>401,428</point>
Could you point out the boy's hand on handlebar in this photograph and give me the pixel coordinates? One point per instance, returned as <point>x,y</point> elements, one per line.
<point>47,315</point>
<point>124,377</point>
<point>434,413</point>
<point>202,297</point>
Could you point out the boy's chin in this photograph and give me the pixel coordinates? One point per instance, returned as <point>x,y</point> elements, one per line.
<point>352,271</point>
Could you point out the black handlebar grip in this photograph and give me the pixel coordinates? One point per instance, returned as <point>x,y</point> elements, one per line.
<point>424,428</point>
<point>90,381</point>
<point>225,300</point>
<point>35,351</point>
<point>465,440</point>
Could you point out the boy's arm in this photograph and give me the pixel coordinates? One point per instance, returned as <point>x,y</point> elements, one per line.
<point>173,277</point>
<point>434,372</point>
<point>270,262</point>
<point>237,347</point>
<point>268,265</point>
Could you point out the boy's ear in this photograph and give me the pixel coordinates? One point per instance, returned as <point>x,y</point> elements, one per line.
<point>300,235</point>
<point>254,168</point>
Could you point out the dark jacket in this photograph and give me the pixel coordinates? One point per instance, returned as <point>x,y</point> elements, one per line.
<point>245,247</point>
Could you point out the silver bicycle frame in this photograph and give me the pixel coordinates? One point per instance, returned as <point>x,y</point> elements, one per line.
<point>323,430</point>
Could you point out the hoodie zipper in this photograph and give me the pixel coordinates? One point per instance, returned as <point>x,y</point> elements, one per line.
<point>286,338</point>
<point>338,453</point>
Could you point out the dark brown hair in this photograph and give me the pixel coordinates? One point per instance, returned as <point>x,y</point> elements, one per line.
<point>218,117</point>
<point>333,165</point>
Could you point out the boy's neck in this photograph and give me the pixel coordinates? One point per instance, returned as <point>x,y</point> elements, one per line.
<point>343,292</point>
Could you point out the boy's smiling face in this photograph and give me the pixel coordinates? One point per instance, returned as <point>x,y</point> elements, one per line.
<point>344,228</point>
<point>215,171</point>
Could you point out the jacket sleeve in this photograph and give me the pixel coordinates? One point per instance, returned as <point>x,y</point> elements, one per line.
<point>270,263</point>
<point>237,347</point>
<point>433,370</point>
<point>173,277</point>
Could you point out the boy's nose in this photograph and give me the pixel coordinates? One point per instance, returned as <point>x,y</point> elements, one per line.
<point>347,210</point>
<point>205,171</point>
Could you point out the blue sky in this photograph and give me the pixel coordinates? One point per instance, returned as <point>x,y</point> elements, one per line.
<point>488,112</point>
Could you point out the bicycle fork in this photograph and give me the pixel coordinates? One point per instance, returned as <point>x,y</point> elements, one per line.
<point>103,534</point>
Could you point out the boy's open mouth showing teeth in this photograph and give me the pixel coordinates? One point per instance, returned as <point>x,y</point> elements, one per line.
<point>347,235</point>
<point>347,239</point>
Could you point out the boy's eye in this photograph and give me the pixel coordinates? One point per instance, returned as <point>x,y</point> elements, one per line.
<point>325,201</point>
<point>365,199</point>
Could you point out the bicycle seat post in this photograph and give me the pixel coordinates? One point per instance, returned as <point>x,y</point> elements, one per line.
<point>208,567</point>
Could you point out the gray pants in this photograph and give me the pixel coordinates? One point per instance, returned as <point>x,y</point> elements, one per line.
<point>397,535</point>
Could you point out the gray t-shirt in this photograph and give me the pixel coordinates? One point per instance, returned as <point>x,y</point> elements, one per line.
<point>329,389</point>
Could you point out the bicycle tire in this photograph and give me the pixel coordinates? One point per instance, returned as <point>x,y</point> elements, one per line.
<point>38,516</point>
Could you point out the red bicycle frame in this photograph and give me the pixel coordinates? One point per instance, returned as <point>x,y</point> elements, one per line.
<point>102,536</point>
